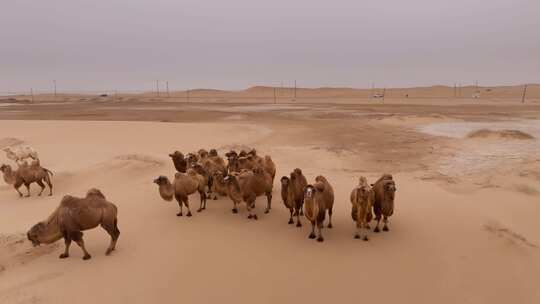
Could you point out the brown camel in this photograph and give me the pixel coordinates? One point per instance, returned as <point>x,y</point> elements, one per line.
<point>383,205</point>
<point>27,174</point>
<point>75,215</point>
<point>328,194</point>
<point>184,185</point>
<point>179,161</point>
<point>247,186</point>
<point>315,206</point>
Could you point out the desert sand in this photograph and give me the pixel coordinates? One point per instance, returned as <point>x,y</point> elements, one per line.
<point>465,228</point>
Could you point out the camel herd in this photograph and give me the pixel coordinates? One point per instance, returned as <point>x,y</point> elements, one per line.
<point>242,178</point>
<point>246,175</point>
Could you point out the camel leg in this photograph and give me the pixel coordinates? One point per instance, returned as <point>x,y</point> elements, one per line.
<point>319,228</point>
<point>179,205</point>
<point>114,232</point>
<point>298,223</point>
<point>358,230</point>
<point>27,185</point>
<point>77,237</point>
<point>49,183</point>
<point>377,225</point>
<point>40,183</point>
<point>366,238</point>
<point>291,221</point>
<point>312,234</point>
<point>67,241</point>
<point>186,202</point>
<point>385,226</point>
<point>17,186</point>
<point>330,218</point>
<point>269,202</point>
<point>234,209</point>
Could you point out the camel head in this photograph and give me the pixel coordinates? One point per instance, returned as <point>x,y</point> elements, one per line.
<point>252,152</point>
<point>5,168</point>
<point>213,153</point>
<point>217,175</point>
<point>243,153</point>
<point>390,187</point>
<point>202,153</point>
<point>309,191</point>
<point>192,158</point>
<point>34,233</point>
<point>176,155</point>
<point>285,181</point>
<point>161,180</point>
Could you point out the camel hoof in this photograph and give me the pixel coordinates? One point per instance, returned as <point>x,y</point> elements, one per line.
<point>189,214</point>
<point>109,251</point>
<point>366,239</point>
<point>376,229</point>
<point>301,212</point>
<point>291,222</point>
<point>255,217</point>
<point>330,226</point>
<point>87,257</point>
<point>235,210</point>
<point>200,209</point>
<point>312,236</point>
<point>298,224</point>
<point>249,216</point>
<point>385,228</point>
<point>215,198</point>
<point>266,211</point>
<point>39,194</point>
<point>320,239</point>
<point>63,256</point>
<point>179,214</point>
<point>357,236</point>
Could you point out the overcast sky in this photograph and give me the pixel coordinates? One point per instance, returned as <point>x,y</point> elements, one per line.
<point>233,44</point>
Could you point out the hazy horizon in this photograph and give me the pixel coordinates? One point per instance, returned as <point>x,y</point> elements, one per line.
<point>235,44</point>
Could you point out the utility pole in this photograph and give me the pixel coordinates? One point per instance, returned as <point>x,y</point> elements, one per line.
<point>295,89</point>
<point>32,94</point>
<point>524,93</point>
<point>187,94</point>
<point>383,94</point>
<point>157,87</point>
<point>274,95</point>
<point>167,84</point>
<point>455,90</point>
<point>54,83</point>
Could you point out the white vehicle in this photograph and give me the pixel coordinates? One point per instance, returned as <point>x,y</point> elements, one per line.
<point>378,95</point>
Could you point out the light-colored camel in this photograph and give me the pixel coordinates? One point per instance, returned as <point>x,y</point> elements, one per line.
<point>75,215</point>
<point>362,197</point>
<point>383,205</point>
<point>184,185</point>
<point>20,153</point>
<point>26,175</point>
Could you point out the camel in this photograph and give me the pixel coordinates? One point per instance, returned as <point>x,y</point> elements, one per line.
<point>218,184</point>
<point>362,197</point>
<point>383,204</point>
<point>179,161</point>
<point>247,186</point>
<point>299,183</point>
<point>315,206</point>
<point>328,194</point>
<point>287,195</point>
<point>202,153</point>
<point>75,215</point>
<point>184,185</point>
<point>213,153</point>
<point>205,173</point>
<point>28,174</point>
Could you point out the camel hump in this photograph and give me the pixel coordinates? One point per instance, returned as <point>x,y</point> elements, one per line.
<point>320,186</point>
<point>95,192</point>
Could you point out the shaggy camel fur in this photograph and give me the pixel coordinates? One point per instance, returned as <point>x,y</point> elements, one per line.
<point>20,153</point>
<point>218,183</point>
<point>247,186</point>
<point>383,205</point>
<point>27,174</point>
<point>315,208</point>
<point>179,161</point>
<point>205,173</point>
<point>362,197</point>
<point>184,185</point>
<point>75,215</point>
